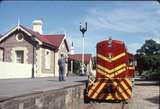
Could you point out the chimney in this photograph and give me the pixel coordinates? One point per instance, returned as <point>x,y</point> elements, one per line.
<point>37,26</point>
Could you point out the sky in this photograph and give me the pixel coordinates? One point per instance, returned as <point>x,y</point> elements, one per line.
<point>130,21</point>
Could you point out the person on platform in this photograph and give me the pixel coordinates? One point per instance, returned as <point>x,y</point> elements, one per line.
<point>61,64</point>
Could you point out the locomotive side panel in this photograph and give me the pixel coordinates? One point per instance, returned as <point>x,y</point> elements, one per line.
<point>131,65</point>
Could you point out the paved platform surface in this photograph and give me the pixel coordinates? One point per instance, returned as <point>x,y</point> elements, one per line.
<point>18,87</point>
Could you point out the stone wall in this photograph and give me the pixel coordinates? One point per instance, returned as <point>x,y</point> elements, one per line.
<point>66,98</point>
<point>44,69</point>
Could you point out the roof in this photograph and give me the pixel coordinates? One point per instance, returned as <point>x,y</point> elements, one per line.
<point>56,40</point>
<point>52,40</point>
<point>78,57</point>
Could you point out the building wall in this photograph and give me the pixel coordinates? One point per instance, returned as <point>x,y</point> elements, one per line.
<point>50,70</point>
<point>15,70</point>
<point>11,44</point>
<point>38,62</point>
<point>62,50</point>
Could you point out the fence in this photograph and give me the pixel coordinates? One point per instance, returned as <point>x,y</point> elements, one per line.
<point>15,70</point>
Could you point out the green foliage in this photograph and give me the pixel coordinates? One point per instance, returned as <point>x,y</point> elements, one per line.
<point>76,67</point>
<point>149,74</point>
<point>148,58</point>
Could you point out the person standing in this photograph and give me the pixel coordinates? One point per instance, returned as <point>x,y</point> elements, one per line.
<point>61,64</point>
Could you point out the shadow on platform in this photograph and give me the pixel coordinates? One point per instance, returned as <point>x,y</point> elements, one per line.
<point>148,83</point>
<point>154,99</point>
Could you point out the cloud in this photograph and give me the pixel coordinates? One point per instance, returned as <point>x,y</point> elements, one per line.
<point>127,20</point>
<point>77,41</point>
<point>138,23</point>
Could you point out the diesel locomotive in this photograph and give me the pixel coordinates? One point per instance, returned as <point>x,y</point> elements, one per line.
<point>114,72</point>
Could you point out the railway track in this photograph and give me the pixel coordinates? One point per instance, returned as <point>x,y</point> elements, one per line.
<point>106,105</point>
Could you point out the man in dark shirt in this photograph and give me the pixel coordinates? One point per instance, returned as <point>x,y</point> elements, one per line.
<point>61,63</point>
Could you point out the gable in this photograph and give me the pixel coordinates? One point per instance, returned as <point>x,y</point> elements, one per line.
<point>12,31</point>
<point>14,39</point>
<point>63,47</point>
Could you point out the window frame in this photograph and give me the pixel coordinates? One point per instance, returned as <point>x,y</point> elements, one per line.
<point>20,58</point>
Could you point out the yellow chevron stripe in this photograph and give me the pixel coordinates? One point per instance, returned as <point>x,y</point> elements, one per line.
<point>128,81</point>
<point>98,90</point>
<point>111,59</point>
<point>122,93</point>
<point>118,56</point>
<point>93,87</point>
<point>112,70</point>
<point>115,83</point>
<point>126,88</point>
<point>103,73</point>
<point>119,71</point>
<point>132,68</point>
<point>103,58</point>
<point>112,75</point>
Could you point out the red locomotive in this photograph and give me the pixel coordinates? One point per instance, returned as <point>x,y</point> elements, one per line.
<point>114,72</point>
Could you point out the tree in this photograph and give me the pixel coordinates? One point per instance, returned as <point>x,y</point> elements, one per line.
<point>148,58</point>
<point>76,66</point>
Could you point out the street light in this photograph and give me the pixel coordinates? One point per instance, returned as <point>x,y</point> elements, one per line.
<point>83,30</point>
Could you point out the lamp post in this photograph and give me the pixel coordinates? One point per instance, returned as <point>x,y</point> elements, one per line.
<point>159,86</point>
<point>83,30</point>
<point>33,52</point>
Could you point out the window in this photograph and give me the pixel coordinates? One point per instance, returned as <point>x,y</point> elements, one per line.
<point>1,55</point>
<point>19,37</point>
<point>20,56</point>
<point>47,59</point>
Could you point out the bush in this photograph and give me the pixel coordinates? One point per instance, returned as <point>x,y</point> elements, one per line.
<point>151,75</point>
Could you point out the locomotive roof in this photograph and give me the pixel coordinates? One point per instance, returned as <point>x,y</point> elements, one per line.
<point>113,41</point>
<point>130,55</point>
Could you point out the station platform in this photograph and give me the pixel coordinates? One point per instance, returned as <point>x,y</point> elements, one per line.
<point>10,88</point>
